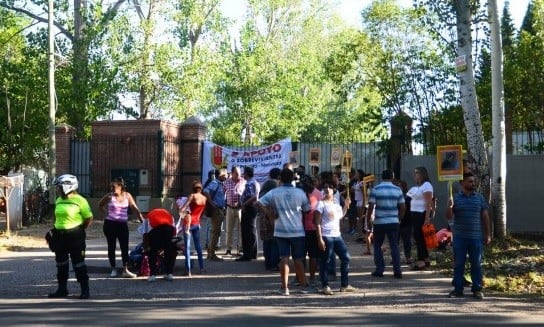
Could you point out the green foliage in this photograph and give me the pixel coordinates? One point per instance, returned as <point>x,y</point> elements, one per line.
<point>23,97</point>
<point>523,77</point>
<point>410,67</point>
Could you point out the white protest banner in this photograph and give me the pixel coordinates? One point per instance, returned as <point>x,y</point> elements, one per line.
<point>262,159</point>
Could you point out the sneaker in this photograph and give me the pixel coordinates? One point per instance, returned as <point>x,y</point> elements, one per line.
<point>466,282</point>
<point>58,293</point>
<point>347,289</point>
<point>455,293</point>
<point>305,289</point>
<point>228,252</point>
<point>326,290</point>
<point>128,274</point>
<point>113,273</point>
<point>215,258</point>
<point>478,295</point>
<point>311,281</point>
<point>283,291</point>
<point>377,274</point>
<point>152,278</point>
<point>169,277</point>
<point>84,295</point>
<point>295,282</point>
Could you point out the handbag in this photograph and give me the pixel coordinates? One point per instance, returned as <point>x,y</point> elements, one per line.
<point>50,239</point>
<point>429,233</point>
<point>209,211</point>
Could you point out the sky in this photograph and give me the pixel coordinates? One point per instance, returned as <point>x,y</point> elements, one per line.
<point>350,10</point>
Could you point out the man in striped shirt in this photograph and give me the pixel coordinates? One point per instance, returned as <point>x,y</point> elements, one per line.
<point>387,202</point>
<point>471,230</point>
<point>234,187</point>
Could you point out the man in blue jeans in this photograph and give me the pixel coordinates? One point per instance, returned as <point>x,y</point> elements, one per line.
<point>387,200</point>
<point>470,231</point>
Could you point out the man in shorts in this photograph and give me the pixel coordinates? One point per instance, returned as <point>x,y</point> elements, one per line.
<point>289,203</point>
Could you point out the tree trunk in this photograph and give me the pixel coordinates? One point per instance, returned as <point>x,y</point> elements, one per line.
<point>468,97</point>
<point>498,184</point>
<point>80,70</point>
<point>146,83</point>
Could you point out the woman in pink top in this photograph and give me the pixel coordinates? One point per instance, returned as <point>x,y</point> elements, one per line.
<point>196,202</point>
<point>115,205</point>
<point>312,249</point>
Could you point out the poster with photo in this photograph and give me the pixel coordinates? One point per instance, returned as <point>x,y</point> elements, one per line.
<point>336,155</point>
<point>449,159</point>
<point>294,158</point>
<point>346,162</point>
<point>315,156</point>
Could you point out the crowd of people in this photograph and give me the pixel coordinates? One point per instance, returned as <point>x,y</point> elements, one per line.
<point>297,216</point>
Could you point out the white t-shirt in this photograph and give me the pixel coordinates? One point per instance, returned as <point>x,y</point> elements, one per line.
<point>358,194</point>
<point>331,214</point>
<point>418,200</point>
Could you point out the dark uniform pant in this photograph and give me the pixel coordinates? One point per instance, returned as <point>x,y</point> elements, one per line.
<point>70,245</point>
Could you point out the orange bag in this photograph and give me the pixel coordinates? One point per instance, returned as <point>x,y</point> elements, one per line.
<point>429,233</point>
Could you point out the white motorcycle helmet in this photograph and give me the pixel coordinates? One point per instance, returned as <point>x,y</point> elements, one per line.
<point>68,183</point>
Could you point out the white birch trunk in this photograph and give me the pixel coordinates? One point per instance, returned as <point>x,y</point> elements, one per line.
<point>498,177</point>
<point>468,97</point>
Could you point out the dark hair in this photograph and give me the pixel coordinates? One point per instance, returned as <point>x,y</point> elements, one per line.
<point>248,171</point>
<point>424,174</point>
<point>326,177</point>
<point>467,175</point>
<point>307,184</point>
<point>274,173</point>
<point>119,181</point>
<point>197,186</point>
<point>287,175</point>
<point>388,174</point>
<point>361,174</point>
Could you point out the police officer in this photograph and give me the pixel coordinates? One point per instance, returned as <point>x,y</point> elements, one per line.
<point>72,216</point>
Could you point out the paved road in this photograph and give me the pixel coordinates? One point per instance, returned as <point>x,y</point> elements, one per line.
<point>242,294</point>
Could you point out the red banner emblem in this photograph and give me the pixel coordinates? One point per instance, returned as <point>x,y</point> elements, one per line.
<point>217,156</point>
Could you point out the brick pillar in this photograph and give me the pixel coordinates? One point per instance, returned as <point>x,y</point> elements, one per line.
<point>63,137</point>
<point>193,133</point>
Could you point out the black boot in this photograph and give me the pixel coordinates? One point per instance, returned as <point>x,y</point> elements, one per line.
<point>62,279</point>
<point>84,290</point>
<point>83,279</point>
<point>60,292</point>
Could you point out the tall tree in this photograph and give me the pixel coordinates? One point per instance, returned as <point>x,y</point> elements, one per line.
<point>467,91</point>
<point>274,85</point>
<point>81,29</point>
<point>498,184</point>
<point>23,95</point>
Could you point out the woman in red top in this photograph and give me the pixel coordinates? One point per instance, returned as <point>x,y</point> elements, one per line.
<point>191,225</point>
<point>160,238</point>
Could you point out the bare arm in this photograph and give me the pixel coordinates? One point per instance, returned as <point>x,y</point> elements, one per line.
<point>132,203</point>
<point>369,212</point>
<point>402,210</point>
<point>317,223</point>
<point>428,196</point>
<point>87,222</point>
<point>265,210</point>
<point>449,211</point>
<point>102,204</point>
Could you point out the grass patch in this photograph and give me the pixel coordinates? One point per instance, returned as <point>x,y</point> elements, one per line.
<point>513,265</point>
